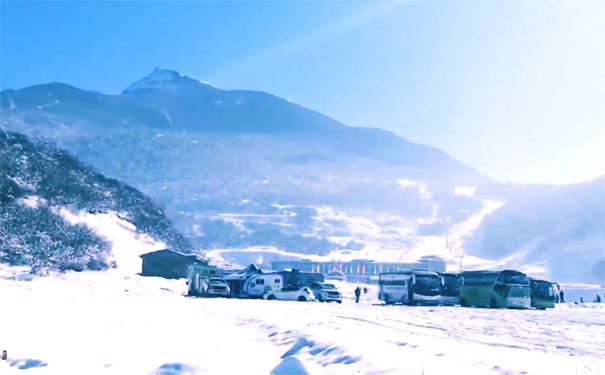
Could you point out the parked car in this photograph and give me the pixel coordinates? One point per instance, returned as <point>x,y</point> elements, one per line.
<point>326,292</point>
<point>290,293</point>
<point>217,287</point>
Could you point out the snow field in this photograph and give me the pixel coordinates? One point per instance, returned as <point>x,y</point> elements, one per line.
<point>109,323</point>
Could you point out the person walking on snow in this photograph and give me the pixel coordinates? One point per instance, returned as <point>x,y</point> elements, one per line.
<point>357,294</point>
<point>562,297</point>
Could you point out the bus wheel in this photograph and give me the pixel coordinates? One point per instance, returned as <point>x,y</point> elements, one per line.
<point>302,298</point>
<point>463,302</point>
<point>492,303</point>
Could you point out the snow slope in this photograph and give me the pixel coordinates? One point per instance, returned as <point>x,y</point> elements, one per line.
<point>55,212</point>
<point>385,241</point>
<point>126,243</point>
<point>111,323</point>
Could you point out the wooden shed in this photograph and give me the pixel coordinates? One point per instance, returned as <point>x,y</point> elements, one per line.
<point>168,264</point>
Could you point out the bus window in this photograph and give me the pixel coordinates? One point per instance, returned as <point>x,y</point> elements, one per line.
<point>513,277</point>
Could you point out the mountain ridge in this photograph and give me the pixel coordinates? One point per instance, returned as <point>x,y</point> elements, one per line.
<point>42,187</point>
<point>268,172</point>
<point>236,111</point>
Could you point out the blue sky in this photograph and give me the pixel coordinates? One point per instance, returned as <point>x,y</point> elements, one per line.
<point>513,88</point>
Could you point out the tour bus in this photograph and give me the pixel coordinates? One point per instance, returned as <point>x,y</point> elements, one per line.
<point>495,289</point>
<point>542,294</point>
<point>450,294</point>
<point>410,287</point>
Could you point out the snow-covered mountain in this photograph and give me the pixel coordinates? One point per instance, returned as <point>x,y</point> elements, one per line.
<point>55,212</point>
<point>251,176</point>
<point>559,227</point>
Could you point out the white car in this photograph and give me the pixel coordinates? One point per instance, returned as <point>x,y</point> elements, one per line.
<point>217,287</point>
<point>290,293</point>
<point>326,292</point>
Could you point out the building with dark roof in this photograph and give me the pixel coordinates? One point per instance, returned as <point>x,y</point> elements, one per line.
<point>168,264</point>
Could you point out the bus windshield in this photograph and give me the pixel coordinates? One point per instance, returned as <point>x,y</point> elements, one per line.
<point>542,289</point>
<point>428,285</point>
<point>518,291</point>
<point>451,285</point>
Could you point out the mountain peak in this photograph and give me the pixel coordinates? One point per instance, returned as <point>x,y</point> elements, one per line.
<point>160,78</point>
<point>161,72</point>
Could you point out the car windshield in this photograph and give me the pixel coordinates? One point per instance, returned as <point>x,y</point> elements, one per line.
<point>328,286</point>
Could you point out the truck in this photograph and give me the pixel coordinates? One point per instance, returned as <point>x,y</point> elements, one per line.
<point>198,278</point>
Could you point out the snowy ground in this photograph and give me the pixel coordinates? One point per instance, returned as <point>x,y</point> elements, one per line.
<point>112,323</point>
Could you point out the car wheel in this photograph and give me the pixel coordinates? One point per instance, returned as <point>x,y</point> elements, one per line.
<point>339,301</point>
<point>271,297</point>
<point>302,298</point>
<point>320,298</point>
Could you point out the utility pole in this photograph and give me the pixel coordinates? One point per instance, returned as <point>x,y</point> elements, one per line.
<point>458,254</point>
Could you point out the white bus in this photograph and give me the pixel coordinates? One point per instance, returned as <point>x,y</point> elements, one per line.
<point>410,287</point>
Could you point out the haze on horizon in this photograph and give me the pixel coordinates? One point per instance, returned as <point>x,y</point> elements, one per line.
<point>512,88</point>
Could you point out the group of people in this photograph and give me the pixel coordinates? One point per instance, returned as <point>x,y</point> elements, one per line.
<point>560,298</point>
<point>597,300</point>
<point>358,293</point>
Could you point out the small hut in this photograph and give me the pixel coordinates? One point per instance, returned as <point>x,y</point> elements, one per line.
<point>168,264</point>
